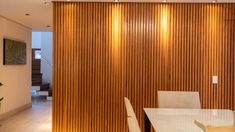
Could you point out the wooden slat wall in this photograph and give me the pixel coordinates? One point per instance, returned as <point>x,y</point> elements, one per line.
<point>106,51</point>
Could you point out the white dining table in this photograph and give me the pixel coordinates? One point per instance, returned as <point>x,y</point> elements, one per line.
<point>182,120</point>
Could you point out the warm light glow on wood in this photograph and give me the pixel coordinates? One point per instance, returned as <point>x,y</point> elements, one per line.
<point>104,52</point>
<point>164,21</point>
<point>164,26</point>
<point>116,32</point>
<point>214,21</point>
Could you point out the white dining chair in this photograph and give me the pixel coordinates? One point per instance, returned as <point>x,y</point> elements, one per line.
<point>133,124</point>
<point>129,108</point>
<point>178,99</point>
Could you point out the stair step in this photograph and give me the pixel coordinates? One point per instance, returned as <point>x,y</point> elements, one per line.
<point>45,87</point>
<point>36,79</point>
<point>36,83</point>
<point>37,88</point>
<point>47,93</point>
<point>43,93</point>
<point>49,98</point>
<point>50,92</point>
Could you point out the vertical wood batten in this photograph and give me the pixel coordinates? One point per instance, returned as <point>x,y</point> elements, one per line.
<point>95,65</point>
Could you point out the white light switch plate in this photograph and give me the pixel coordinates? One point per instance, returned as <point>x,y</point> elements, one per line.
<point>215,79</point>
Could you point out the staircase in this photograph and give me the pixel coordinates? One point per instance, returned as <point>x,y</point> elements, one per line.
<point>43,89</point>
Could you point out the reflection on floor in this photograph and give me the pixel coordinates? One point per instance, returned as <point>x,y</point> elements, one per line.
<point>36,119</point>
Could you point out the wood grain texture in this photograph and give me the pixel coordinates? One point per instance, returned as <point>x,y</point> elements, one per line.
<point>104,52</point>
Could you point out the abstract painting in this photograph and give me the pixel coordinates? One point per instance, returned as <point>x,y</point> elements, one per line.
<point>14,52</point>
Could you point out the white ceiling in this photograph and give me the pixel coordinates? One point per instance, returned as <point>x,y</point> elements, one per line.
<point>41,14</point>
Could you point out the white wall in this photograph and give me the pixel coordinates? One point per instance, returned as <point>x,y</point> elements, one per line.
<point>16,78</point>
<point>36,40</point>
<point>46,52</point>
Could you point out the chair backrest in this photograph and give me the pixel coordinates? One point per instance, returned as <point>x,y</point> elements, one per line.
<point>133,125</point>
<point>129,108</point>
<point>177,99</point>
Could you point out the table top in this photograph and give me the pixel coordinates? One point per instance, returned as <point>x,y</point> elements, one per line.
<point>182,120</point>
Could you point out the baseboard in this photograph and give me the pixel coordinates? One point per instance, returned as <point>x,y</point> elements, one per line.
<point>12,112</point>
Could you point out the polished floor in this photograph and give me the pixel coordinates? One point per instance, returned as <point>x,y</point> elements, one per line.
<point>36,119</point>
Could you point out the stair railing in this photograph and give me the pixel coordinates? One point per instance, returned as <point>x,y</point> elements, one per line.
<point>44,59</point>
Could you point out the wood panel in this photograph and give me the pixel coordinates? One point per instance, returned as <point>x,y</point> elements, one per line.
<point>106,51</point>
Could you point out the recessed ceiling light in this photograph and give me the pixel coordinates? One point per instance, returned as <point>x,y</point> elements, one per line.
<point>68,0</point>
<point>47,3</point>
<point>214,1</point>
<point>164,1</point>
<point>116,0</point>
<point>27,14</point>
